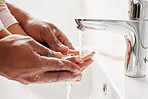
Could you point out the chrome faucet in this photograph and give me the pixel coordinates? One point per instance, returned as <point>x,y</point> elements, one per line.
<point>138,9</point>
<point>135,31</point>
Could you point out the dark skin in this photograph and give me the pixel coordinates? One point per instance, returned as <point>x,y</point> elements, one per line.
<point>38,64</point>
<point>49,34</point>
<point>41,31</point>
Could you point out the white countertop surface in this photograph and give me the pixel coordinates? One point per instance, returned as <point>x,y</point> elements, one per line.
<point>127,88</point>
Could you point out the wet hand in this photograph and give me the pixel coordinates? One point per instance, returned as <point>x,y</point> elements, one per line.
<point>83,61</point>
<point>24,60</point>
<point>47,33</point>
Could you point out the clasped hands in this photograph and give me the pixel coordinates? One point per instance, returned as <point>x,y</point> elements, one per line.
<point>57,41</point>
<point>38,63</point>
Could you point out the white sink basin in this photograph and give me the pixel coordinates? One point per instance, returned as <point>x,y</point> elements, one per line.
<point>94,85</point>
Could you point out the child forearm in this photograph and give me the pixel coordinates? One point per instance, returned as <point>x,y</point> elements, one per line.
<point>16,29</point>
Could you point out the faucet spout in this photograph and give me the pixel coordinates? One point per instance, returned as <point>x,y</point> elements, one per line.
<point>135,35</point>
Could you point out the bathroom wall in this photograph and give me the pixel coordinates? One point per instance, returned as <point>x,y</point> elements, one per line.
<point>63,12</point>
<point>60,12</point>
<point>106,42</point>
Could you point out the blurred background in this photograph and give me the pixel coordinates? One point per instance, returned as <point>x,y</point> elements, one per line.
<point>63,12</point>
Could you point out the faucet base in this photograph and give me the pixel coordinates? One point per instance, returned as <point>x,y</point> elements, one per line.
<point>135,76</point>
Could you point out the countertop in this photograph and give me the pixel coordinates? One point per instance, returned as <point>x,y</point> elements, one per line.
<point>126,87</point>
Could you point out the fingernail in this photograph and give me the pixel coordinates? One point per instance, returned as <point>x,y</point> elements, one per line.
<point>58,54</point>
<point>64,48</point>
<point>78,77</point>
<point>93,52</point>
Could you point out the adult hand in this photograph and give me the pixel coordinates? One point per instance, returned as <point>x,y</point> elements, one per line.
<point>83,61</point>
<point>47,33</point>
<point>26,61</point>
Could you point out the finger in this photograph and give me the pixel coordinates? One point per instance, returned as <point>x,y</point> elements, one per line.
<point>86,64</point>
<point>88,56</point>
<point>48,77</point>
<point>72,52</point>
<point>43,51</point>
<point>54,64</point>
<point>64,40</point>
<point>61,37</point>
<point>75,59</point>
<point>54,43</point>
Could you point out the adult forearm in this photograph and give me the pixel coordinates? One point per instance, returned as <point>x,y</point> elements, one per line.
<point>16,29</point>
<point>21,16</point>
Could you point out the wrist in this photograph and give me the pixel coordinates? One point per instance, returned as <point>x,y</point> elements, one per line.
<point>26,18</point>
<point>3,31</point>
<point>16,29</point>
